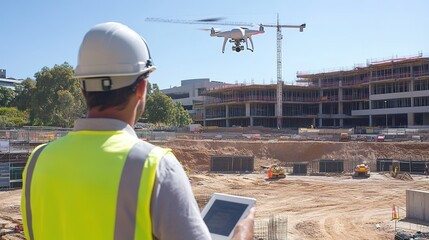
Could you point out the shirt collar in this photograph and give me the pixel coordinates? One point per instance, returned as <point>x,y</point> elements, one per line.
<point>103,124</point>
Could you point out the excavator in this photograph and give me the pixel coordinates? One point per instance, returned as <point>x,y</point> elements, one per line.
<point>276,171</point>
<point>361,170</point>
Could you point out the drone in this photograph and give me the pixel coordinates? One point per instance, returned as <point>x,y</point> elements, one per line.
<point>237,36</point>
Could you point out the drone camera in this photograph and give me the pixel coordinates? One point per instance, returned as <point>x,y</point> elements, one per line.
<point>237,48</point>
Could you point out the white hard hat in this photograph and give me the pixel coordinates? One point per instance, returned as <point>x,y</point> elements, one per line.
<point>112,56</point>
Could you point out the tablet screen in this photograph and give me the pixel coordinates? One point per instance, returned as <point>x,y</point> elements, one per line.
<point>223,216</point>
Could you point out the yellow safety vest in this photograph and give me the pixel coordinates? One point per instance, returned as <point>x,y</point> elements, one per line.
<point>90,185</point>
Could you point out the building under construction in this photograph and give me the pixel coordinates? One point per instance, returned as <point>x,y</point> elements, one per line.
<point>389,93</point>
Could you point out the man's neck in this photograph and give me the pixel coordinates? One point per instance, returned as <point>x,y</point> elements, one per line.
<point>113,113</point>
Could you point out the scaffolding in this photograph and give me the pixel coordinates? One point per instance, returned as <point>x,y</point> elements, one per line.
<point>15,148</point>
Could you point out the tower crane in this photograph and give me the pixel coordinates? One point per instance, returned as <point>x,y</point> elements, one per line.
<point>279,110</point>
<point>279,42</point>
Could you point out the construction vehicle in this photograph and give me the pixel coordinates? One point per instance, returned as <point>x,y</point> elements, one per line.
<point>361,170</point>
<point>344,137</point>
<point>276,171</point>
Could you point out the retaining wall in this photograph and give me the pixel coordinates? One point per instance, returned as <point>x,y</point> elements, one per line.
<point>417,205</point>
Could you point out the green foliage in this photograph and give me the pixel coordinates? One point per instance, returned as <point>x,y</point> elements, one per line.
<point>12,118</point>
<point>57,98</point>
<point>181,116</point>
<point>24,90</point>
<point>6,96</point>
<point>160,109</point>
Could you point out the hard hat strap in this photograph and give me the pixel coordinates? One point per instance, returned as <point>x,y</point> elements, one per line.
<point>149,62</point>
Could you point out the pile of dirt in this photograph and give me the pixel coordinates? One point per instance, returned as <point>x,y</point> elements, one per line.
<point>196,153</point>
<point>404,177</point>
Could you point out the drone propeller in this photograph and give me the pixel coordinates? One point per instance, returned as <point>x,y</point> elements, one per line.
<point>210,19</point>
<point>209,29</point>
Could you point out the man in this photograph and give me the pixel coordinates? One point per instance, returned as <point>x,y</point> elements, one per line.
<point>100,181</point>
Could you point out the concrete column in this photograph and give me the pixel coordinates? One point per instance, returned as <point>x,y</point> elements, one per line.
<point>370,120</point>
<point>247,109</point>
<point>370,89</point>
<point>320,122</point>
<point>341,122</point>
<point>412,78</point>
<point>204,117</point>
<point>251,121</point>
<point>340,108</point>
<point>314,122</point>
<point>411,90</point>
<point>226,115</point>
<point>410,117</point>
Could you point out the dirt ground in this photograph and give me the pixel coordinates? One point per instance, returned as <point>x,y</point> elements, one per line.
<point>317,207</point>
<point>320,207</point>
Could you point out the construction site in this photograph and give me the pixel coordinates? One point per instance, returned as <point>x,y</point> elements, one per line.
<point>333,157</point>
<point>305,188</point>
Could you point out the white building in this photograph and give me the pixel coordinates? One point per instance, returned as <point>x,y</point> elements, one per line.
<point>7,82</point>
<point>189,94</point>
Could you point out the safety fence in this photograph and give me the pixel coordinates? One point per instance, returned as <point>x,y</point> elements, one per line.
<point>407,226</point>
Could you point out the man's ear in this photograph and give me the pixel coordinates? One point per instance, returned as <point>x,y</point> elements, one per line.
<point>141,89</point>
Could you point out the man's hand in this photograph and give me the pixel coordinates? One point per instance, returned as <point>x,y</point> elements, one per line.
<point>244,229</point>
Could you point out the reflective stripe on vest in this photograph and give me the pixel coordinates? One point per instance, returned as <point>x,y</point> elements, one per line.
<point>134,193</point>
<point>30,171</point>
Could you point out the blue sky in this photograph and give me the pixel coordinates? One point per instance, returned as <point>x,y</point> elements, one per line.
<point>339,34</point>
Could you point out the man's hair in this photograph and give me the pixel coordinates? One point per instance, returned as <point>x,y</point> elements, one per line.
<point>118,98</point>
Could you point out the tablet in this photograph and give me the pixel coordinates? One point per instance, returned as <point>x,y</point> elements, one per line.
<point>223,212</point>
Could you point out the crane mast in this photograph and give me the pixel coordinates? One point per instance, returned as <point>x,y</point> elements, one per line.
<point>279,51</point>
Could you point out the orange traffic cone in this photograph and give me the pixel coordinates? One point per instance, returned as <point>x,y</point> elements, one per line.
<point>394,213</point>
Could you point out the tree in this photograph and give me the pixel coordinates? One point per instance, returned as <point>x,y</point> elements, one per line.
<point>181,115</point>
<point>24,91</point>
<point>64,115</point>
<point>160,109</point>
<point>57,98</point>
<point>12,117</point>
<point>6,96</point>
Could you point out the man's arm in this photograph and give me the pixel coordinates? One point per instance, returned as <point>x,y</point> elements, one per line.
<point>175,213</point>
